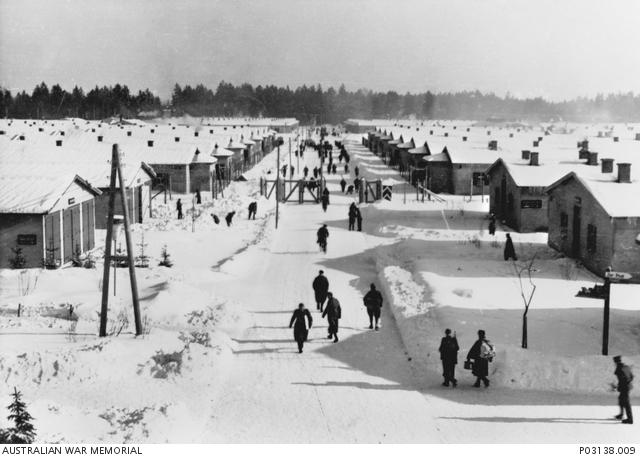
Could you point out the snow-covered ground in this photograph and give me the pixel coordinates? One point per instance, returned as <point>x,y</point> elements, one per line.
<point>219,364</point>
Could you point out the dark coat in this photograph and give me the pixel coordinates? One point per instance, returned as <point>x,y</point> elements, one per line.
<point>333,312</point>
<point>323,234</point>
<point>299,323</point>
<point>480,365</point>
<point>373,299</point>
<point>625,376</point>
<point>449,349</point>
<point>320,288</point>
<point>509,250</point>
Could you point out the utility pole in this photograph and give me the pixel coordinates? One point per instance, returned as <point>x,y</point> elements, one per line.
<point>277,185</point>
<point>116,170</point>
<point>605,319</point>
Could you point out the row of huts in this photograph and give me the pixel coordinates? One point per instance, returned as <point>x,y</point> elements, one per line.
<point>574,182</point>
<point>54,176</point>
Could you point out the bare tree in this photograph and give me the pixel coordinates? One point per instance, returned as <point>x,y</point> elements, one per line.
<point>525,269</point>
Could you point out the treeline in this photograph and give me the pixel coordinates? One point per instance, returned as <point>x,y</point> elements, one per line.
<point>311,104</point>
<point>98,103</point>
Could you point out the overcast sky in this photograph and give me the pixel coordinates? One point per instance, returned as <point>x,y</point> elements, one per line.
<point>553,48</point>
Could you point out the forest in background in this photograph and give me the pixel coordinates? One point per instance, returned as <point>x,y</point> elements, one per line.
<point>309,104</point>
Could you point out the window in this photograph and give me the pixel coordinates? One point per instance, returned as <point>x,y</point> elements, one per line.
<point>592,233</point>
<point>480,178</point>
<point>564,226</point>
<point>530,203</point>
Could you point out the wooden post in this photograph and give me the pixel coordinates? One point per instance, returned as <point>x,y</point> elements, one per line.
<point>605,320</point>
<point>108,242</point>
<point>127,233</point>
<point>277,186</point>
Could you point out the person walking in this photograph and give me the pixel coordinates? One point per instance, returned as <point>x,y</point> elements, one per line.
<point>352,216</point>
<point>305,171</point>
<point>509,250</point>
<point>299,321</point>
<point>343,184</point>
<point>292,170</point>
<point>323,235</point>
<point>346,168</point>
<point>333,312</point>
<point>359,219</point>
<point>449,356</point>
<point>320,289</point>
<point>482,353</point>
<point>328,168</point>
<point>315,173</point>
<point>373,302</point>
<point>492,224</point>
<point>179,208</point>
<point>356,171</point>
<point>334,169</point>
<point>625,377</point>
<point>253,209</point>
<point>325,199</point>
<point>198,197</point>
<point>284,171</point>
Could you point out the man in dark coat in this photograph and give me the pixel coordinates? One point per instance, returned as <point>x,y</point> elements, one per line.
<point>292,171</point>
<point>299,322</point>
<point>373,302</point>
<point>334,169</point>
<point>179,208</point>
<point>198,197</point>
<point>346,168</point>
<point>328,168</point>
<point>352,216</point>
<point>320,289</point>
<point>315,172</point>
<point>480,362</point>
<point>325,199</point>
<point>253,208</point>
<point>356,184</point>
<point>357,171</point>
<point>625,377</point>
<point>359,219</point>
<point>449,356</point>
<point>333,312</point>
<point>229,218</point>
<point>323,235</point>
<point>305,171</point>
<point>509,251</point>
<point>343,184</point>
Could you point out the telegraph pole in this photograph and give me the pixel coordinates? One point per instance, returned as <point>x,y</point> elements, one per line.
<point>277,185</point>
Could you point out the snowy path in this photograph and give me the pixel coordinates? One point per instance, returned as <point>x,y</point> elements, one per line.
<point>361,389</point>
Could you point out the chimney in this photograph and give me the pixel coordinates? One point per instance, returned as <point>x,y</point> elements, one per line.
<point>177,139</point>
<point>128,133</point>
<point>173,128</point>
<point>511,135</point>
<point>153,131</point>
<point>534,158</point>
<point>40,129</point>
<point>539,139</point>
<point>2,132</point>
<point>624,172</point>
<point>536,143</point>
<point>593,158</point>
<point>446,134</point>
<point>488,132</point>
<point>525,154</point>
<point>62,133</point>
<point>196,134</point>
<point>21,137</point>
<point>430,132</point>
<point>149,143</point>
<point>493,145</point>
<point>616,139</point>
<point>99,138</point>
<point>468,129</point>
<point>607,165</point>
<point>58,142</point>
<point>464,139</point>
<point>210,131</point>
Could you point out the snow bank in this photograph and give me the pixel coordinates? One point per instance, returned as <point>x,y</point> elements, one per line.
<point>417,317</point>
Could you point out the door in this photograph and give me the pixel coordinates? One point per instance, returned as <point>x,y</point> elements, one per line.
<point>140,203</point>
<point>52,239</point>
<point>71,224</point>
<point>88,225</point>
<point>575,241</point>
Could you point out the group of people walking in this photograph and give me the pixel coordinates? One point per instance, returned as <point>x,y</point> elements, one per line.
<point>330,308</point>
<point>478,358</point>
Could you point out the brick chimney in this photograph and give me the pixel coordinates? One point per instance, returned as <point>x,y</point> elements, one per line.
<point>58,142</point>
<point>177,139</point>
<point>511,135</point>
<point>99,138</point>
<point>149,143</point>
<point>536,143</point>
<point>430,132</point>
<point>583,154</point>
<point>464,139</point>
<point>525,154</point>
<point>607,165</point>
<point>539,139</point>
<point>152,130</point>
<point>593,158</point>
<point>493,145</point>
<point>128,133</point>
<point>533,160</point>
<point>616,139</point>
<point>196,134</point>
<point>488,132</point>
<point>624,172</point>
<point>210,131</point>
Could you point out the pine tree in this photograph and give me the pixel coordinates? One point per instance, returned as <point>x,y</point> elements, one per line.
<point>23,432</point>
<point>142,260</point>
<point>166,258</point>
